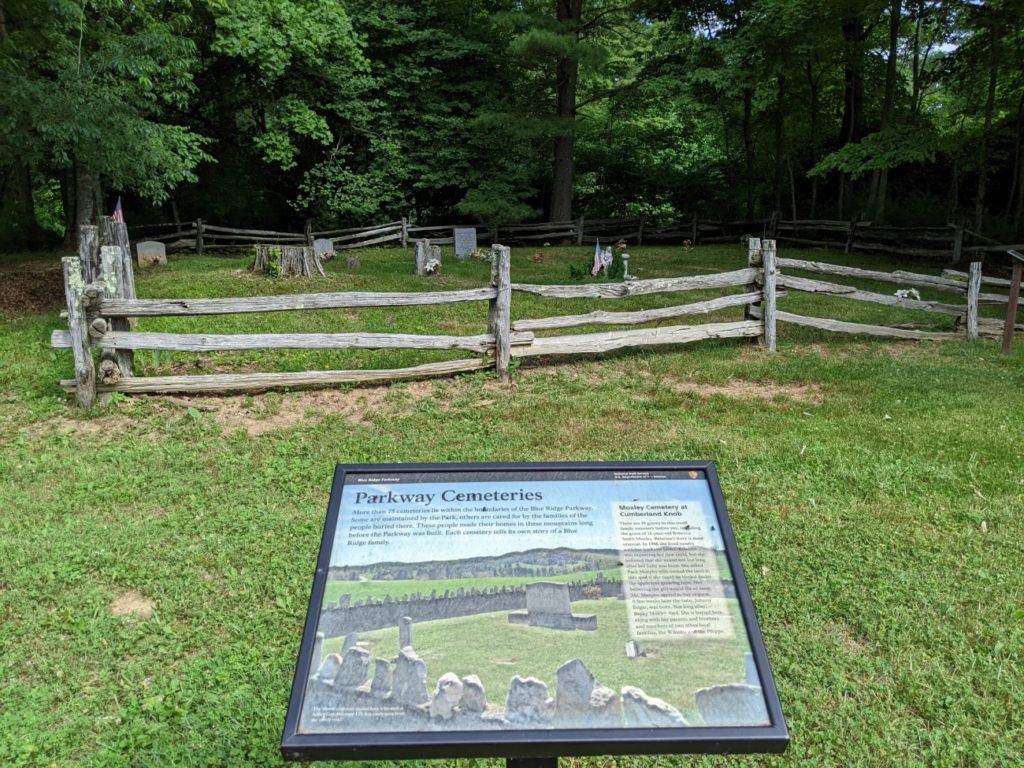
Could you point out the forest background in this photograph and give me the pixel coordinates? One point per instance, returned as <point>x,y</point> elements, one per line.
<point>347,112</point>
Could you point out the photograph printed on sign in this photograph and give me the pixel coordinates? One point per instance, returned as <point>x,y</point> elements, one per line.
<point>479,601</point>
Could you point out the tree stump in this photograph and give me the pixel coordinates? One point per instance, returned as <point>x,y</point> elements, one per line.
<point>287,260</point>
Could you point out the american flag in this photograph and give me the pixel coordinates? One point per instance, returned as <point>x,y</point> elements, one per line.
<point>597,258</point>
<point>118,216</point>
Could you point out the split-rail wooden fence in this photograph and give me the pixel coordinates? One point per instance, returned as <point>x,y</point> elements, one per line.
<point>951,243</point>
<point>100,308</point>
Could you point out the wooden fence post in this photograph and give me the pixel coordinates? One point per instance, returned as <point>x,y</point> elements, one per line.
<point>1011,309</point>
<point>753,260</point>
<point>579,231</point>
<point>958,245</point>
<point>405,232</point>
<point>78,324</point>
<point>849,236</point>
<point>88,251</point>
<point>309,232</point>
<point>106,231</point>
<point>973,293</point>
<point>640,230</point>
<point>768,263</point>
<point>693,238</point>
<point>116,287</point>
<point>500,313</point>
<point>122,241</point>
<point>199,237</point>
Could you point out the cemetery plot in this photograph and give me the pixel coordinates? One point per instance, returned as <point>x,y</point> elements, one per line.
<point>511,603</point>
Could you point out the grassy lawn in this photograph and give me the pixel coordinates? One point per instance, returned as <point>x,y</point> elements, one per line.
<point>360,590</point>
<point>875,488</point>
<point>453,645</point>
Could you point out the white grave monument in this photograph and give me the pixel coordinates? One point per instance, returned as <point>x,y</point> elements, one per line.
<point>323,248</point>
<point>465,241</point>
<point>150,253</point>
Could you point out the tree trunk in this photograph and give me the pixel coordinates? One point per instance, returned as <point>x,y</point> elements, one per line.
<point>814,84</point>
<point>66,177</point>
<point>566,78</point>
<point>1016,158</point>
<point>993,74</point>
<point>748,149</point>
<point>889,105</point>
<point>780,129</point>
<point>86,186</point>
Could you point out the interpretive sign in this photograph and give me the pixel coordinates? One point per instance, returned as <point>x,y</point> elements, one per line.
<point>517,610</point>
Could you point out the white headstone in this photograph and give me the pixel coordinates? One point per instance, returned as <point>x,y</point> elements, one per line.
<point>151,252</point>
<point>323,248</point>
<point>465,241</point>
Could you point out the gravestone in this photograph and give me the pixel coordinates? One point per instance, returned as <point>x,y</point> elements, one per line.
<point>380,688</point>
<point>323,248</point>
<point>547,605</point>
<point>528,701</point>
<point>404,632</point>
<point>350,642</point>
<point>732,705</point>
<point>465,242</point>
<point>473,697</point>
<point>447,694</point>
<point>150,253</point>
<point>409,680</point>
<point>355,666</point>
<point>643,711</point>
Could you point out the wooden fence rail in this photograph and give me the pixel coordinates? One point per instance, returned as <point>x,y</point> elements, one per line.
<point>100,303</point>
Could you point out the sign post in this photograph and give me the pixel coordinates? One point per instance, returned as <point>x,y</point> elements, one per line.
<point>1011,309</point>
<point>529,611</point>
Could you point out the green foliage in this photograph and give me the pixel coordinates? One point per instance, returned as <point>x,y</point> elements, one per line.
<point>884,149</point>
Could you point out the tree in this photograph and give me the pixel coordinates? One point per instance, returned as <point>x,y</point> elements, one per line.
<point>86,89</point>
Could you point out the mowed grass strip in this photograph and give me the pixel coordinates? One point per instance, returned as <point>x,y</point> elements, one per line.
<point>875,489</point>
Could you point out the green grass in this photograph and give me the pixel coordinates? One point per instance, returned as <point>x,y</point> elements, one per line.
<point>489,647</point>
<point>360,590</point>
<point>875,489</point>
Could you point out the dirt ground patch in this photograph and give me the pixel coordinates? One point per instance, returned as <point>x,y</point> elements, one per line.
<point>132,604</point>
<point>268,413</point>
<point>754,390</point>
<point>28,290</point>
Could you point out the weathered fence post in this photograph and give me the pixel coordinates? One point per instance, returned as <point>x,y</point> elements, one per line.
<point>579,231</point>
<point>753,260</point>
<point>128,271</point>
<point>405,232</point>
<point>696,229</point>
<point>973,294</point>
<point>309,232</point>
<point>88,251</point>
<point>849,236</point>
<point>199,237</point>
<point>106,231</point>
<point>1011,309</point>
<point>768,263</point>
<point>500,313</point>
<point>958,245</point>
<point>640,230</point>
<point>112,273</point>
<point>78,324</point>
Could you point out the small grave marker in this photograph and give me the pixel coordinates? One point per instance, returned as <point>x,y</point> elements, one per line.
<point>151,253</point>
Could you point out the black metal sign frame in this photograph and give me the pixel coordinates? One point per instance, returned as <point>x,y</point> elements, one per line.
<point>532,743</point>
